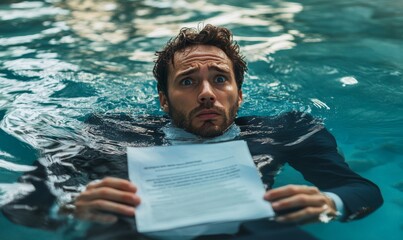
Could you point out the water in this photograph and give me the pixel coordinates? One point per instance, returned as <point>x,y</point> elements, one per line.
<point>339,60</point>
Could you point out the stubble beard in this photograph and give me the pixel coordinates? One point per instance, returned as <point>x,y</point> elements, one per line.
<point>209,129</point>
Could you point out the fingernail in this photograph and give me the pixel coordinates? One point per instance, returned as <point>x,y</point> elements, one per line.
<point>275,204</point>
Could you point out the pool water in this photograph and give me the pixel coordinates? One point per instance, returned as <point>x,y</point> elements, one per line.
<point>61,60</point>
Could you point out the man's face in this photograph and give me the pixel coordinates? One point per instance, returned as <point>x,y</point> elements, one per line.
<point>203,97</point>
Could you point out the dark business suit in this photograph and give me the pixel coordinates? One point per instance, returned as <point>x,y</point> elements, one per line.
<point>294,138</point>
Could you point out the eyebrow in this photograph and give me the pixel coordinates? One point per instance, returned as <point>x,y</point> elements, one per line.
<point>220,69</point>
<point>191,70</point>
<point>187,72</point>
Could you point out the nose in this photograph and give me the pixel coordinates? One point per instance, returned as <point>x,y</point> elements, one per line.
<point>206,95</point>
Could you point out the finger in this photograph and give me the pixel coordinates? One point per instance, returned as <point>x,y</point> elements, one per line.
<point>306,215</point>
<point>102,218</point>
<point>109,194</point>
<point>298,201</point>
<point>112,182</point>
<point>104,206</point>
<point>289,190</point>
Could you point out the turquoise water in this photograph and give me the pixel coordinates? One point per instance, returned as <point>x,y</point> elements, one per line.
<point>339,60</point>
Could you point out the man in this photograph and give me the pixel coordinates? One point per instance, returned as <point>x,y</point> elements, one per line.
<point>200,76</point>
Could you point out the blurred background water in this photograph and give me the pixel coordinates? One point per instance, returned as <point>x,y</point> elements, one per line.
<point>340,60</point>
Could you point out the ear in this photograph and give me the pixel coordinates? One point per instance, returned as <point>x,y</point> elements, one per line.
<point>163,102</point>
<point>240,98</point>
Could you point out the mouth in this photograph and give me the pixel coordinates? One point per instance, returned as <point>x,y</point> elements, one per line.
<point>207,114</point>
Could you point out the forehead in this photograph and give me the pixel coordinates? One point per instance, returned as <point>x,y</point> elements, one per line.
<point>199,54</point>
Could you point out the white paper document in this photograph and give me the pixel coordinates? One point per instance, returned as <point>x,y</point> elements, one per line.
<point>190,185</point>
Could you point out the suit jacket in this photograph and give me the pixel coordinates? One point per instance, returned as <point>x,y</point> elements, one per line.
<point>294,138</point>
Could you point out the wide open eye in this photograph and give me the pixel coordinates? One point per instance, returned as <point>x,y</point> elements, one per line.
<point>186,82</point>
<point>220,79</point>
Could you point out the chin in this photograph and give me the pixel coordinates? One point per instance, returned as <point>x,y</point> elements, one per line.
<point>211,134</point>
<point>208,130</point>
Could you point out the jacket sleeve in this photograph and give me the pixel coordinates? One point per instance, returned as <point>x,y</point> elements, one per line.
<point>319,161</point>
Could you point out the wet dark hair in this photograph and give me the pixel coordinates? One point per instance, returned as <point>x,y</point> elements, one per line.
<point>219,37</point>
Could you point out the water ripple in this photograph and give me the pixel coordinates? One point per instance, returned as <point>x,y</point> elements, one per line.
<point>39,67</point>
<point>9,192</point>
<point>15,167</point>
<point>27,10</point>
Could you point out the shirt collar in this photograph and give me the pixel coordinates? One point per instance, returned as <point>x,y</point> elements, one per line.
<point>177,136</point>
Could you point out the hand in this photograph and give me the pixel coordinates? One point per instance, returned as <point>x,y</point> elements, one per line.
<point>308,204</point>
<point>102,200</point>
